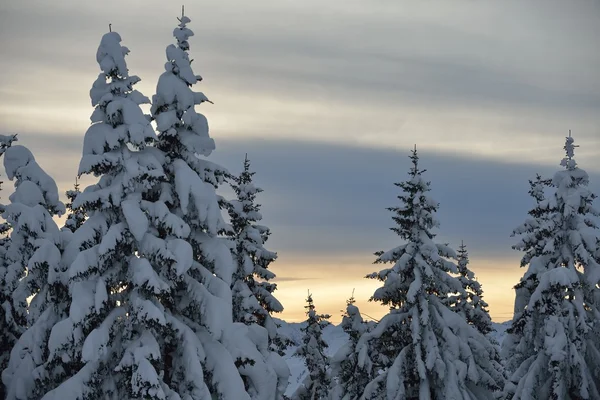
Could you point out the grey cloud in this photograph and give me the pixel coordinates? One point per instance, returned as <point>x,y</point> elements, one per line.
<point>332,199</point>
<point>367,56</point>
<point>480,72</point>
<point>327,199</point>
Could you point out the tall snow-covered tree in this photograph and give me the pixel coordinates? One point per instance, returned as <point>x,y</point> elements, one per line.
<point>237,362</point>
<point>38,277</point>
<point>348,378</point>
<point>75,216</point>
<point>316,384</point>
<point>253,299</point>
<point>422,349</point>
<point>123,276</point>
<point>557,349</point>
<point>469,302</point>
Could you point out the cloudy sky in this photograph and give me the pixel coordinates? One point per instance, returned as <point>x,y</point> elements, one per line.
<point>327,98</point>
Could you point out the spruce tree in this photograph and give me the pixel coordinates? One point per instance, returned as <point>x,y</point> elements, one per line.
<point>557,348</point>
<point>253,299</point>
<point>122,275</point>
<point>316,384</point>
<point>422,349</point>
<point>349,379</point>
<point>233,363</point>
<point>533,234</point>
<point>75,216</point>
<point>469,302</point>
<point>40,293</point>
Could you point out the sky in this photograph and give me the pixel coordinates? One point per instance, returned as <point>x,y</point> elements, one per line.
<point>327,99</point>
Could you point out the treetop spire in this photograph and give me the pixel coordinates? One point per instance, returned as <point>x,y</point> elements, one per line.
<point>569,161</point>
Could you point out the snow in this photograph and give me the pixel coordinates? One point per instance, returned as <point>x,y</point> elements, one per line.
<point>111,55</point>
<point>220,361</point>
<point>94,347</point>
<point>162,217</point>
<point>336,338</point>
<point>20,164</point>
<point>191,189</point>
<point>251,343</point>
<point>27,193</point>
<point>84,292</point>
<point>143,275</point>
<point>136,218</point>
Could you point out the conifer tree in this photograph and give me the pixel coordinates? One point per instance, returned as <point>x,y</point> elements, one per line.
<point>317,382</point>
<point>40,294</point>
<point>75,216</point>
<point>557,348</point>
<point>469,302</point>
<point>252,293</point>
<point>533,234</point>
<point>422,349</point>
<point>349,379</point>
<point>253,299</point>
<point>122,275</point>
<point>235,364</point>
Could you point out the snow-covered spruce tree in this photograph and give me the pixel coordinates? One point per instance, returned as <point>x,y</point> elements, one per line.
<point>122,275</point>
<point>422,349</point>
<point>253,299</point>
<point>533,235</point>
<point>557,346</point>
<point>469,302</point>
<point>75,216</point>
<point>348,379</point>
<point>189,191</point>
<point>316,384</point>
<point>35,273</point>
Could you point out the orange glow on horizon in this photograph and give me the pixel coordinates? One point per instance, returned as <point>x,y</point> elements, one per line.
<point>331,282</point>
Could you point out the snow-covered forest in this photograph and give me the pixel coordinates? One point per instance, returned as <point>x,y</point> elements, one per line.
<point>157,286</point>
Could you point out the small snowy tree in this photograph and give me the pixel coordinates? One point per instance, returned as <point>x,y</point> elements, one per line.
<point>317,382</point>
<point>469,302</point>
<point>253,299</point>
<point>533,234</point>
<point>349,380</point>
<point>556,346</point>
<point>35,273</point>
<point>422,349</point>
<point>76,215</point>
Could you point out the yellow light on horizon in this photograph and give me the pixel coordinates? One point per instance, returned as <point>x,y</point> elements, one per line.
<point>332,282</point>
